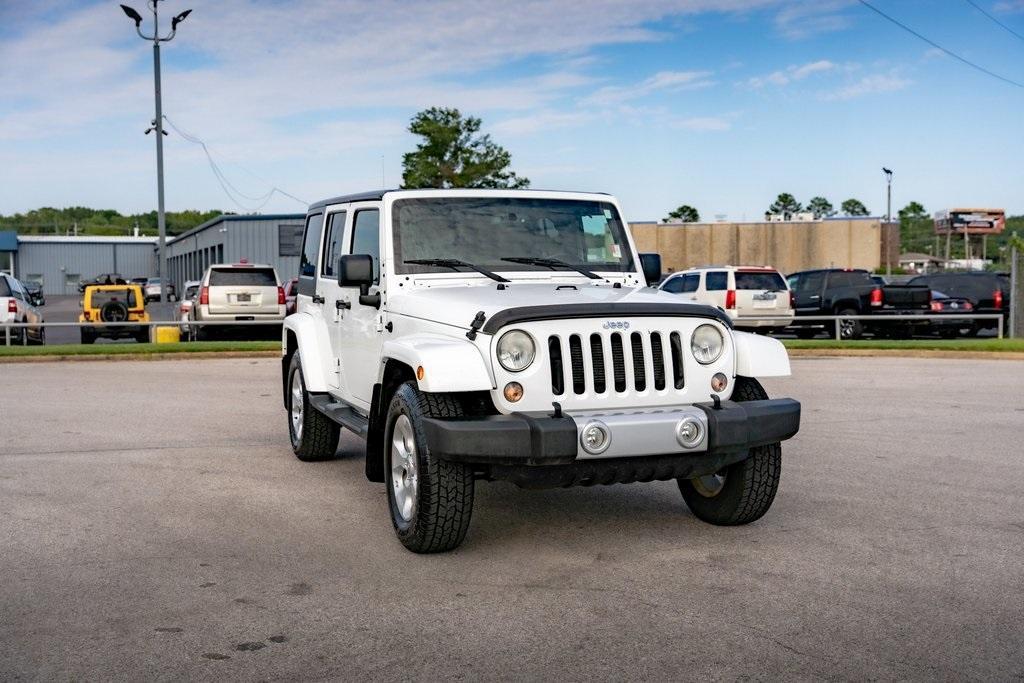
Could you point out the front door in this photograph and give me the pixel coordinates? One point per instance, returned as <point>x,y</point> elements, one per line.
<point>361,328</point>
<point>331,294</point>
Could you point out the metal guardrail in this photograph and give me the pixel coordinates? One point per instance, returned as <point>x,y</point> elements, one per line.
<point>128,323</point>
<point>835,319</point>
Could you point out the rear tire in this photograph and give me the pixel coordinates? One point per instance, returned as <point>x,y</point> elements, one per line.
<point>88,337</point>
<point>313,435</point>
<point>431,500</point>
<point>850,329</point>
<point>744,491</point>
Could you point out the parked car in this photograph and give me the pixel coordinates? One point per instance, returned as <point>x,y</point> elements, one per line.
<point>291,292</point>
<point>120,311</point>
<point>987,292</point>
<point>835,291</point>
<point>950,306</point>
<point>188,296</point>
<point>511,335</point>
<point>754,297</point>
<point>153,287</point>
<point>15,307</point>
<point>239,291</point>
<point>35,293</point>
<point>104,279</point>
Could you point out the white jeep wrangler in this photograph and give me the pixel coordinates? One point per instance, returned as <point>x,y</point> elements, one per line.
<point>511,335</point>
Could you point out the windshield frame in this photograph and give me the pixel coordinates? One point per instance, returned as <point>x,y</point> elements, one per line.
<point>513,270</point>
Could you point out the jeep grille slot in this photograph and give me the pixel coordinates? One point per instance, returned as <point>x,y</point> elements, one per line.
<point>637,350</point>
<point>597,361</point>
<point>677,360</point>
<point>618,363</point>
<point>658,358</point>
<point>576,359</point>
<point>557,376</point>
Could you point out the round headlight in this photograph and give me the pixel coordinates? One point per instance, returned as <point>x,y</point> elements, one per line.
<point>707,344</point>
<point>516,350</point>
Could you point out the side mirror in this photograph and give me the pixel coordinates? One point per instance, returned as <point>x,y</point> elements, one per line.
<point>651,266</point>
<point>356,270</point>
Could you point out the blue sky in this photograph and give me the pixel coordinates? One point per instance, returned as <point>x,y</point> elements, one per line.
<point>719,104</point>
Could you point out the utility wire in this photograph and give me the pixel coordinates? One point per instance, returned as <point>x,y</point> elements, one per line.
<point>978,7</point>
<point>939,47</point>
<point>225,184</point>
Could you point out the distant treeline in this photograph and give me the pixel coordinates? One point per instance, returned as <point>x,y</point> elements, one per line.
<point>50,221</point>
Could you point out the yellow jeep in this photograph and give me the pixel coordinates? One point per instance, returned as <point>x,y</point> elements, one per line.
<point>111,305</point>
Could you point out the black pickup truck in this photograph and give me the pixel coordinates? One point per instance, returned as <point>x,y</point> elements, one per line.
<point>834,291</point>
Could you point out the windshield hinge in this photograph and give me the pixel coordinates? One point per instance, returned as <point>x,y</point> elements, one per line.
<point>478,322</point>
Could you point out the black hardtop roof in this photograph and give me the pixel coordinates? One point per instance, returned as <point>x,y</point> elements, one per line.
<point>829,270</point>
<point>377,195</point>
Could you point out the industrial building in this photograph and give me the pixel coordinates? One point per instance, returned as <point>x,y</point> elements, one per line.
<point>274,239</point>
<point>59,263</point>
<point>788,246</point>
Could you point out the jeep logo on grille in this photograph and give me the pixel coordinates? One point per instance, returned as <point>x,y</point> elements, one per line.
<point>615,325</point>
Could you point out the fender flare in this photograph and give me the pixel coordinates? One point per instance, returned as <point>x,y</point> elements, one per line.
<point>314,349</point>
<point>759,356</point>
<point>449,364</point>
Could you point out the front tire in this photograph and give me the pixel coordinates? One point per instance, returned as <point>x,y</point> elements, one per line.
<point>431,500</point>
<point>742,492</point>
<point>850,329</point>
<point>313,435</point>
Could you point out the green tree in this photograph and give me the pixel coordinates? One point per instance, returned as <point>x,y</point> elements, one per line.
<point>917,231</point>
<point>854,207</point>
<point>684,214</point>
<point>454,154</point>
<point>821,207</point>
<point>785,203</point>
<point>912,210</point>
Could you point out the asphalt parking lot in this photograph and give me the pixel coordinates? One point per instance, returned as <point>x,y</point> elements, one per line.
<point>156,526</point>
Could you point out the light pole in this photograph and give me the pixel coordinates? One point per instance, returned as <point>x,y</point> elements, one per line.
<point>888,219</point>
<point>158,126</point>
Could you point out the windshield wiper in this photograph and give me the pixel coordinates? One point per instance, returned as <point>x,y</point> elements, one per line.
<point>455,264</point>
<point>552,263</point>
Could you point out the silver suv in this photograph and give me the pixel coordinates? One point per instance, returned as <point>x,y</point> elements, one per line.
<point>236,292</point>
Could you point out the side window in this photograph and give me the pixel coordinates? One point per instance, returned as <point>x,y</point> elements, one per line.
<point>795,282</point>
<point>690,282</point>
<point>674,285</point>
<point>717,281</point>
<point>333,237</point>
<point>311,245</point>
<point>813,282</point>
<point>366,237</point>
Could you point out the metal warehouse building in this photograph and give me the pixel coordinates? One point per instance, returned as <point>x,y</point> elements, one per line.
<point>272,239</point>
<point>58,263</point>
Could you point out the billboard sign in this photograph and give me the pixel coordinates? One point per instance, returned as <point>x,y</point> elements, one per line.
<point>970,221</point>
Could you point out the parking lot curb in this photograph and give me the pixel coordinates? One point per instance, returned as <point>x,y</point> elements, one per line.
<point>187,355</point>
<point>907,353</point>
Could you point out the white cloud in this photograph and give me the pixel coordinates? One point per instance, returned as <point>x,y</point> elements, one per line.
<point>792,73</point>
<point>807,18</point>
<point>1009,6</point>
<point>868,85</point>
<point>664,81</point>
<point>704,123</point>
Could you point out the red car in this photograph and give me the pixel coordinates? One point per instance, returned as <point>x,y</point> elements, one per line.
<point>291,290</point>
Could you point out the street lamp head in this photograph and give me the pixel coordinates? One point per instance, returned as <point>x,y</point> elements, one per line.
<point>133,15</point>
<point>886,171</point>
<point>180,18</point>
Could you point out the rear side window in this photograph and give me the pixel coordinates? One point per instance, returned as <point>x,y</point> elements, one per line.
<point>5,289</point>
<point>97,298</point>
<point>311,245</point>
<point>690,282</point>
<point>332,244</point>
<point>851,279</point>
<point>812,282</point>
<point>717,281</point>
<point>366,237</point>
<point>759,280</point>
<point>237,277</point>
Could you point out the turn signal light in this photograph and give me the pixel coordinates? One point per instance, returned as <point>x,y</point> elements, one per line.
<point>730,299</point>
<point>936,306</point>
<point>204,296</point>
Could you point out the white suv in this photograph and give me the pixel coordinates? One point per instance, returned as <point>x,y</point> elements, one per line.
<point>754,297</point>
<point>510,335</point>
<point>234,292</point>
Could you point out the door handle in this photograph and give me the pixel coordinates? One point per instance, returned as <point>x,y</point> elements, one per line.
<point>317,299</point>
<point>340,304</point>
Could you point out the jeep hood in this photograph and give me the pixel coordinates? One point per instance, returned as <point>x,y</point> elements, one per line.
<point>458,304</point>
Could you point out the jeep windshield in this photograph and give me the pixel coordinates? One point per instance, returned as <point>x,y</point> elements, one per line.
<point>485,231</point>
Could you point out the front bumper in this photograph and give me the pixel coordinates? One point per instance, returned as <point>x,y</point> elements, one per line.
<point>528,440</point>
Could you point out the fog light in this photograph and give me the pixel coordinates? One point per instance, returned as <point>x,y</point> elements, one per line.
<point>689,432</point>
<point>719,382</point>
<point>595,437</point>
<point>513,392</point>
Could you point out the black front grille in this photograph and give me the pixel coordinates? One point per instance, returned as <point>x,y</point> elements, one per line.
<point>663,364</point>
